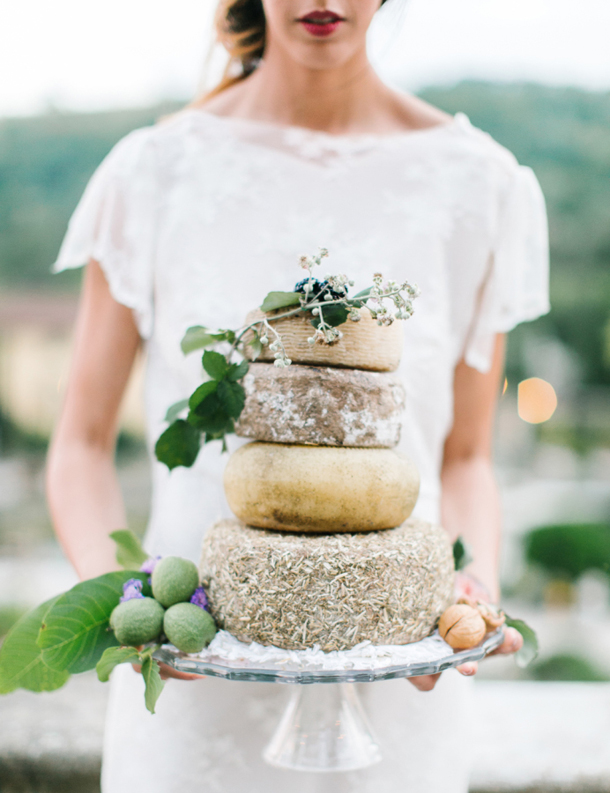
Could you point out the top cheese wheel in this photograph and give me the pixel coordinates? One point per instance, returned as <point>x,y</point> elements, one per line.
<point>365,344</point>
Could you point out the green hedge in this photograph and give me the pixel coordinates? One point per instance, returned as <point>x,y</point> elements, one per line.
<point>569,550</point>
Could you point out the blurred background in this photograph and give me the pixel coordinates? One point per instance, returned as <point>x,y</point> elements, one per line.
<point>75,78</point>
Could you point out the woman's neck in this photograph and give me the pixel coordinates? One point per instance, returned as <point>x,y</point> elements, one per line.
<point>349,99</point>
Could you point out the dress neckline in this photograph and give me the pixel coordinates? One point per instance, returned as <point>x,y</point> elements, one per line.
<point>329,140</point>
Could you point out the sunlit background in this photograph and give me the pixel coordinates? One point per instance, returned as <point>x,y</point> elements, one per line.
<point>77,76</point>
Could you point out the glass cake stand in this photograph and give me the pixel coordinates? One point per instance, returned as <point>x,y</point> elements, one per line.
<point>324,727</point>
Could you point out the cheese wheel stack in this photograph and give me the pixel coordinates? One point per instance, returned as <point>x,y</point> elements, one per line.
<point>324,460</point>
<point>323,552</point>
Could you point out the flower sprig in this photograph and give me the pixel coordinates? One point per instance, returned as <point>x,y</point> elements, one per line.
<point>211,411</point>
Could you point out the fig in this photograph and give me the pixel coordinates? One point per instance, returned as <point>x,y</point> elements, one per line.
<point>137,621</point>
<point>174,580</point>
<point>189,627</point>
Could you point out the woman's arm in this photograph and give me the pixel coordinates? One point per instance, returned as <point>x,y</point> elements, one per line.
<point>82,486</point>
<point>470,503</point>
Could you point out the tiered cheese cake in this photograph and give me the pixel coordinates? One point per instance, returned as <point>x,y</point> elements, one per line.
<point>323,551</point>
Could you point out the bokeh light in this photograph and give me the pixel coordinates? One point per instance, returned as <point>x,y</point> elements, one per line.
<point>536,401</point>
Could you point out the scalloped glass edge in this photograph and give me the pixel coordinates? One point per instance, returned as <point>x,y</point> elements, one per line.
<point>238,671</point>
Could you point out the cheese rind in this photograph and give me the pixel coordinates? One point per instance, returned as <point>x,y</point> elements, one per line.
<point>365,344</point>
<point>320,488</point>
<point>294,591</point>
<point>321,406</point>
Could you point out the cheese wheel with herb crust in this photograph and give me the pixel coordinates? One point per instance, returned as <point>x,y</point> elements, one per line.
<point>364,345</point>
<point>321,489</point>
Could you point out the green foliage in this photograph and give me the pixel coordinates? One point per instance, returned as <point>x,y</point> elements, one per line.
<point>567,551</point>
<point>178,445</point>
<point>462,553</point>
<point>333,315</point>
<point>112,657</point>
<point>75,630</point>
<point>175,410</point>
<point>213,406</point>
<point>215,364</point>
<point>21,662</point>
<point>568,668</point>
<point>276,300</point>
<point>529,651</point>
<point>197,337</point>
<point>152,681</point>
<point>129,552</point>
<point>8,617</point>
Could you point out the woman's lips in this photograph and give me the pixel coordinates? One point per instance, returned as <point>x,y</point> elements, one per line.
<point>321,23</point>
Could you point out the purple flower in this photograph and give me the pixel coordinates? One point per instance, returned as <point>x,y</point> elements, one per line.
<point>131,589</point>
<point>199,598</point>
<point>150,564</point>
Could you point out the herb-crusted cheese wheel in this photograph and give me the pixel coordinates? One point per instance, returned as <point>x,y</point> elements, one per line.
<point>297,590</point>
<point>320,488</point>
<point>365,344</point>
<point>321,406</point>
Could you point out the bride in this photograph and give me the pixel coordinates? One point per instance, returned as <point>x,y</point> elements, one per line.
<point>191,222</point>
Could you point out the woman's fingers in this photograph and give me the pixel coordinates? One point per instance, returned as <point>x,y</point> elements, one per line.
<point>513,642</point>
<point>469,669</point>
<point>424,682</point>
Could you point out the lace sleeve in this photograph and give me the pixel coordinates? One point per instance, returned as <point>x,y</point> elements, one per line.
<point>114,223</point>
<point>516,286</point>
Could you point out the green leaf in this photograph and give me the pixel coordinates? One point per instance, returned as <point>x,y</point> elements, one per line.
<point>530,641</point>
<point>198,337</point>
<point>232,397</point>
<point>462,553</point>
<point>215,364</point>
<point>275,300</point>
<point>129,552</point>
<point>21,664</point>
<point>75,631</point>
<point>112,657</point>
<point>255,345</point>
<point>334,315</point>
<point>178,445</point>
<point>201,393</point>
<point>237,370</point>
<point>152,681</point>
<point>175,410</point>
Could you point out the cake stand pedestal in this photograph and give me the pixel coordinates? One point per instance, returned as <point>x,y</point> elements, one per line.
<point>324,727</point>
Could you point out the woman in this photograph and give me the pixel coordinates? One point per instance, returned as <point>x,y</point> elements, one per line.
<point>191,222</point>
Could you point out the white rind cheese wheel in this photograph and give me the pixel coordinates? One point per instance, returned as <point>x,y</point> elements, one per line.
<point>365,344</point>
<point>320,488</point>
<point>294,591</point>
<point>321,406</point>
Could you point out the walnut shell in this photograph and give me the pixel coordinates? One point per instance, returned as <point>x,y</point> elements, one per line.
<point>493,617</point>
<point>462,626</point>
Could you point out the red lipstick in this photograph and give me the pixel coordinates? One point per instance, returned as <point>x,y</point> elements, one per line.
<point>321,23</point>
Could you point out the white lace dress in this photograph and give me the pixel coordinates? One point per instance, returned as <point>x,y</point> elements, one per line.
<point>193,221</point>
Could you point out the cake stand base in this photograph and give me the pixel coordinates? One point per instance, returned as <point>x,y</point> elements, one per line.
<point>324,728</point>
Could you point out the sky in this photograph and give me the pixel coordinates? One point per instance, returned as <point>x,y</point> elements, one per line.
<point>79,55</point>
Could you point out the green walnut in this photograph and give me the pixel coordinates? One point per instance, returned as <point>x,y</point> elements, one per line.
<point>137,621</point>
<point>174,580</point>
<point>188,627</point>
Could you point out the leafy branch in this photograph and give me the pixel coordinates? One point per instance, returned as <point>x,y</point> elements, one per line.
<point>211,411</point>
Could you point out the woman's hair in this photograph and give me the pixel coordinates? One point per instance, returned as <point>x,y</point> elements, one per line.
<point>240,28</point>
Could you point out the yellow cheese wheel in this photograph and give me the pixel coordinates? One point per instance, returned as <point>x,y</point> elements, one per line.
<point>320,488</point>
<point>365,344</point>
